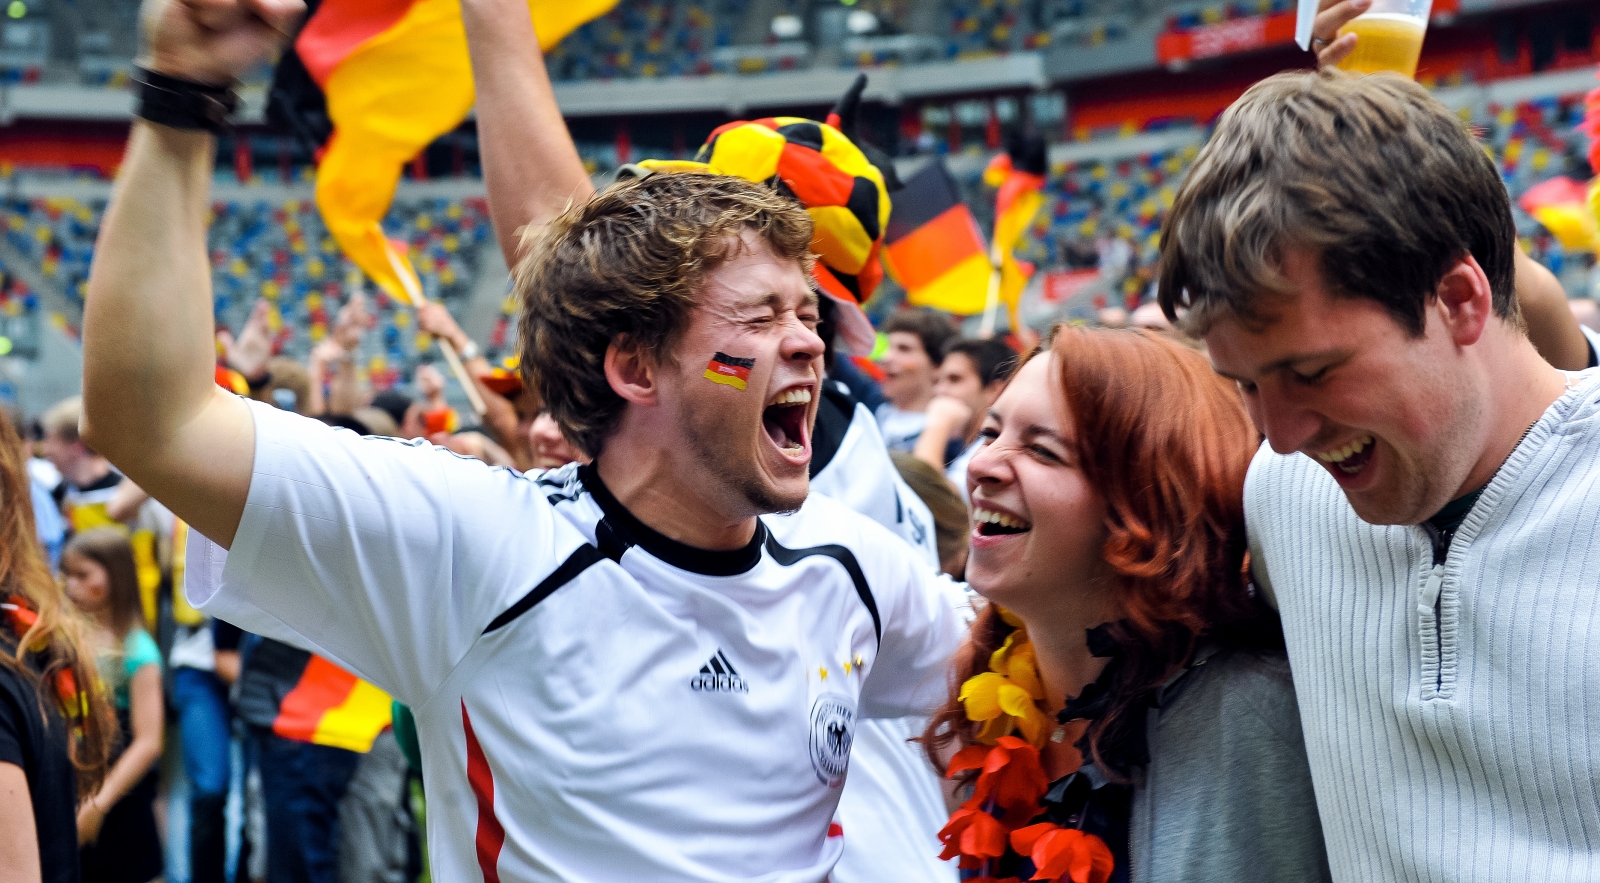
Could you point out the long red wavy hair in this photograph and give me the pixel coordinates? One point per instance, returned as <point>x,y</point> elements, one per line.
<point>1166,443</point>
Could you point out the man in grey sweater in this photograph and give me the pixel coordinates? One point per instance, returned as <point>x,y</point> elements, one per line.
<point>1425,510</point>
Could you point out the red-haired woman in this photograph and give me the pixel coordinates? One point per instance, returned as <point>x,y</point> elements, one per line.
<point>56,727</point>
<point>1123,708</point>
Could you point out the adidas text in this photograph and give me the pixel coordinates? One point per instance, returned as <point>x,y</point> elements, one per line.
<point>718,676</point>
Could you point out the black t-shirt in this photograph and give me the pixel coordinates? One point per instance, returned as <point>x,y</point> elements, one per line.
<point>39,745</point>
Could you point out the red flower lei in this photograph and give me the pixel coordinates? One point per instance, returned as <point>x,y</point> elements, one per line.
<point>1012,783</point>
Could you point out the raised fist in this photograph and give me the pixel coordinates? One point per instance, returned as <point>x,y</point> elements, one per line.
<point>214,41</point>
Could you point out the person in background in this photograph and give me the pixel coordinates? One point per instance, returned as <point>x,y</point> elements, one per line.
<point>335,383</point>
<point>1149,317</point>
<point>87,479</point>
<point>117,825</point>
<point>43,477</point>
<point>509,406</point>
<point>950,523</point>
<point>551,449</point>
<point>1122,650</point>
<point>200,703</point>
<point>437,415</point>
<point>970,378</point>
<point>917,339</point>
<point>56,731</point>
<point>404,411</point>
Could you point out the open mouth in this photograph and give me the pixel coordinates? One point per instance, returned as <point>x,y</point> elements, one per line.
<point>785,420</point>
<point>990,523</point>
<point>1351,458</point>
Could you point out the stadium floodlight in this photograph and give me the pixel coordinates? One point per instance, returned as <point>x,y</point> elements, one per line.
<point>861,22</point>
<point>787,27</point>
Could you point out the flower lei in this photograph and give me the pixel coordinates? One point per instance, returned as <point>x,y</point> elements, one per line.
<point>1011,783</point>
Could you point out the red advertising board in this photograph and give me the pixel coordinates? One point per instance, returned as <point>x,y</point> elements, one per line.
<point>1225,38</point>
<point>1244,35</point>
<point>1060,286</point>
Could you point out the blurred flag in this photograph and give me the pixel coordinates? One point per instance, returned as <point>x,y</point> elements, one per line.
<point>1562,206</point>
<point>1019,174</point>
<point>1591,127</point>
<point>934,247</point>
<point>395,76</point>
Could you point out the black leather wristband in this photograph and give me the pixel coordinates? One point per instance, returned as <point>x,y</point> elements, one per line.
<point>183,104</point>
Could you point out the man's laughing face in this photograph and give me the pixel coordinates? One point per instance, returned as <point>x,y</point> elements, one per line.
<point>747,378</point>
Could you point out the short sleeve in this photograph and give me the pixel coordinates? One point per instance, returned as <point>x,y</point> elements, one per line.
<point>387,557</point>
<point>925,617</point>
<point>139,650</point>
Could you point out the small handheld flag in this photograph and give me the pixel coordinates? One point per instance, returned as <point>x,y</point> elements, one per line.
<point>729,371</point>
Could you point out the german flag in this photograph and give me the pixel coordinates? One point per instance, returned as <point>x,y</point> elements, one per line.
<point>386,77</point>
<point>306,698</point>
<point>1562,206</point>
<point>1019,174</point>
<point>934,247</point>
<point>729,371</point>
<point>330,706</point>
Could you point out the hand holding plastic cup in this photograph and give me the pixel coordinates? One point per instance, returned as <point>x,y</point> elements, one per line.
<point>1388,37</point>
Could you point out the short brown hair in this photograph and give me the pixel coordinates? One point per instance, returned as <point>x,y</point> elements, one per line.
<point>1383,184</point>
<point>627,266</point>
<point>933,329</point>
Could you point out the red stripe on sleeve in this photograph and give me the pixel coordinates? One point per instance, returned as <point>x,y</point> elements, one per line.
<point>491,836</point>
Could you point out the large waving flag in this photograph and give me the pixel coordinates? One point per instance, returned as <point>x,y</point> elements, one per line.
<point>396,76</point>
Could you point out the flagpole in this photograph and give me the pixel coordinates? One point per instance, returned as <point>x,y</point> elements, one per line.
<point>991,304</point>
<point>451,357</point>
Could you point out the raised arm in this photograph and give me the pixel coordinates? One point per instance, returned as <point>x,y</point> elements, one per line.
<point>530,164</point>
<point>150,403</point>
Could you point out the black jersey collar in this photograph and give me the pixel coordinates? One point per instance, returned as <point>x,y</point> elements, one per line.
<point>633,532</point>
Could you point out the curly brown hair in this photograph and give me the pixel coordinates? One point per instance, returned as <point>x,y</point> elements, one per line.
<point>624,269</point>
<point>1166,443</point>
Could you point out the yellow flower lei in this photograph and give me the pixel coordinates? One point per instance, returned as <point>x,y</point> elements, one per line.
<point>1006,698</point>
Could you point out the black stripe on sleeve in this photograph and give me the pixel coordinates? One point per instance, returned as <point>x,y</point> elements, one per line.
<point>845,557</point>
<point>576,563</point>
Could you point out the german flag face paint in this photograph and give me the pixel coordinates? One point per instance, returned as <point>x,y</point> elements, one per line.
<point>729,371</point>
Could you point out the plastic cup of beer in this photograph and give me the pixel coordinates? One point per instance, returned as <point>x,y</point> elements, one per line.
<point>1388,37</point>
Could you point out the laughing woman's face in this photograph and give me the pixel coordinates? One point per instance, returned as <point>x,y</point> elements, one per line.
<point>1038,525</point>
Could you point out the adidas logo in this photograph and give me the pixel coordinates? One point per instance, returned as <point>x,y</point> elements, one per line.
<point>718,676</point>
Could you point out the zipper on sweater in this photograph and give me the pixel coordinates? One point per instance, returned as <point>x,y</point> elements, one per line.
<point>1430,614</point>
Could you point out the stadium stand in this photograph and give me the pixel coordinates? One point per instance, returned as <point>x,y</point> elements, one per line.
<point>278,251</point>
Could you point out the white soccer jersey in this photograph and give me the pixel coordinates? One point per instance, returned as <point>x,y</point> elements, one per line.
<point>893,806</point>
<point>594,701</point>
<point>861,476</point>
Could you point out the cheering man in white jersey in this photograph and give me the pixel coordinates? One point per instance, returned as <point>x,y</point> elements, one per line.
<point>617,672</point>
<point>1425,508</point>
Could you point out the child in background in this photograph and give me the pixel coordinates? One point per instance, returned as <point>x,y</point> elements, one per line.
<point>117,826</point>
